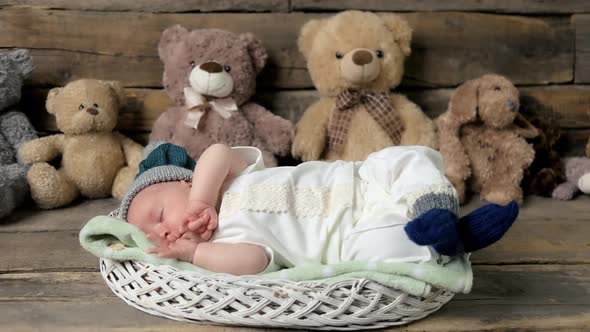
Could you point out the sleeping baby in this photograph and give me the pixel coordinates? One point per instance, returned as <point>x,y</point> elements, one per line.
<point>233,215</point>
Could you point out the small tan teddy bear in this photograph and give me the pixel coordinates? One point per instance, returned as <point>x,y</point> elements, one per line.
<point>354,59</point>
<point>483,146</point>
<point>96,162</point>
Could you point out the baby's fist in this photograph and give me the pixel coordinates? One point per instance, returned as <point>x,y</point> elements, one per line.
<point>201,218</point>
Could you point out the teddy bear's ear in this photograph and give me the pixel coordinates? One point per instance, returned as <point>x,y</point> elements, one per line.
<point>22,61</point>
<point>256,50</point>
<point>464,102</point>
<point>307,35</point>
<point>401,30</point>
<point>50,101</point>
<point>170,38</point>
<point>117,88</point>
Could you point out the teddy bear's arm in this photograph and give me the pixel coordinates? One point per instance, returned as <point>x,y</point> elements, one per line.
<point>41,149</point>
<point>164,127</point>
<point>16,128</point>
<point>276,132</point>
<point>310,132</point>
<point>133,151</point>
<point>420,129</point>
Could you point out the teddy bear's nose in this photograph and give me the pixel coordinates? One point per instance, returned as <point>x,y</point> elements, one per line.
<point>511,105</point>
<point>92,111</point>
<point>211,67</point>
<point>362,57</point>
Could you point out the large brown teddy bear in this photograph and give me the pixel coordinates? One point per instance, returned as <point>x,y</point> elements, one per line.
<point>95,161</point>
<point>211,76</point>
<point>354,59</point>
<point>483,148</point>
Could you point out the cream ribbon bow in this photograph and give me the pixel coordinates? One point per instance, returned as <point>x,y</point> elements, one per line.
<point>193,99</point>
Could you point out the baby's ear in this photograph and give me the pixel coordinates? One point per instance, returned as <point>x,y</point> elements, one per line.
<point>50,101</point>
<point>307,35</point>
<point>402,32</point>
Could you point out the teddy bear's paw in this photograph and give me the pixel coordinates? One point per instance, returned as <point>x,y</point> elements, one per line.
<point>28,152</point>
<point>123,181</point>
<point>564,192</point>
<point>305,149</point>
<point>584,183</point>
<point>503,197</point>
<point>49,188</point>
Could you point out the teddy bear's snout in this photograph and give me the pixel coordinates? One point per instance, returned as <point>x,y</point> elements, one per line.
<point>362,57</point>
<point>92,111</point>
<point>211,67</point>
<point>512,105</point>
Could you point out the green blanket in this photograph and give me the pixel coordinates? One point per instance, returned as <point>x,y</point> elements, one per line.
<point>112,238</point>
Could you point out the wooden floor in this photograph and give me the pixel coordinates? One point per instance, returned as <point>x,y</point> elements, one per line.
<point>536,278</point>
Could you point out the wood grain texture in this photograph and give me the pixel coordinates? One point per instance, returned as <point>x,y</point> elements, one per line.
<point>582,28</point>
<point>144,106</point>
<point>532,239</point>
<point>158,6</point>
<point>448,47</point>
<point>500,6</point>
<point>503,297</point>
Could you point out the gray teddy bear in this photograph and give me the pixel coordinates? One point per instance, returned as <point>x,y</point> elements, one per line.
<point>15,129</point>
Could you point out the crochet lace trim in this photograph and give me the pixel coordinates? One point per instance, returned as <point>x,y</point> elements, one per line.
<point>299,202</point>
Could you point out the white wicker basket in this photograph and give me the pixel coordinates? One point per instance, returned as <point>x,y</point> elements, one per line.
<point>254,301</point>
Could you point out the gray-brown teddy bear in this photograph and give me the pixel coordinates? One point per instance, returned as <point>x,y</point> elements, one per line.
<point>211,76</point>
<point>483,148</point>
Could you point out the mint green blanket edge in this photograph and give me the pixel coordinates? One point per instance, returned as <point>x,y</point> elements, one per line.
<point>114,239</point>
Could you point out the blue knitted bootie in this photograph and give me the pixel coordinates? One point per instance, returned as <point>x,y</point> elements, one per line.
<point>436,228</point>
<point>486,225</point>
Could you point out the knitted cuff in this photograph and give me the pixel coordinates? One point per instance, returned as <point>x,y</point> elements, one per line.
<point>440,196</point>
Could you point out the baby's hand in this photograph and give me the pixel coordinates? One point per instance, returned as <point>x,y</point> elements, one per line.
<point>182,249</point>
<point>201,217</point>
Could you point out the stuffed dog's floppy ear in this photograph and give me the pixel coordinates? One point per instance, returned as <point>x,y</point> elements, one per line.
<point>307,36</point>
<point>402,32</point>
<point>463,105</point>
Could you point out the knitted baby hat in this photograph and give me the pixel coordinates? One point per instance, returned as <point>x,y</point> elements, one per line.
<point>165,162</point>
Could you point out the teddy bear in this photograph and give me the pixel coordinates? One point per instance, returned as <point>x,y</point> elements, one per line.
<point>354,59</point>
<point>577,170</point>
<point>95,160</point>
<point>482,142</point>
<point>547,169</point>
<point>15,129</point>
<point>211,74</point>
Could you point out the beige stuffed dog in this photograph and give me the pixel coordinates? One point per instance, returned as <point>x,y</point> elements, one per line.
<point>483,146</point>
<point>354,58</point>
<point>96,162</point>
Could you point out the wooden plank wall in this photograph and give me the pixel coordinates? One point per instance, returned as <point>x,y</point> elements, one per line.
<point>542,45</point>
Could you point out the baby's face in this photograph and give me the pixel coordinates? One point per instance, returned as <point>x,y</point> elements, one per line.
<point>159,211</point>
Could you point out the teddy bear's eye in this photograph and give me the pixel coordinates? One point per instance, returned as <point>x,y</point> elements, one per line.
<point>81,107</point>
<point>339,55</point>
<point>379,53</point>
<point>227,68</point>
<point>193,64</point>
<point>497,88</point>
<point>95,105</point>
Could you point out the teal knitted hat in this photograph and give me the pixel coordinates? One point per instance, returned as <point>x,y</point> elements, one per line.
<point>165,162</point>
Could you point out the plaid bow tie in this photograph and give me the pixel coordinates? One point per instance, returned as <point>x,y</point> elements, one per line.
<point>378,106</point>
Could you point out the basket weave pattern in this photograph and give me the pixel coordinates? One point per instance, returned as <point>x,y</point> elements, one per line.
<point>254,301</point>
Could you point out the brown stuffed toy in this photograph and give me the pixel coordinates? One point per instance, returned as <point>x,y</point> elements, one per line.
<point>211,76</point>
<point>95,161</point>
<point>354,59</point>
<point>547,169</point>
<point>483,148</point>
